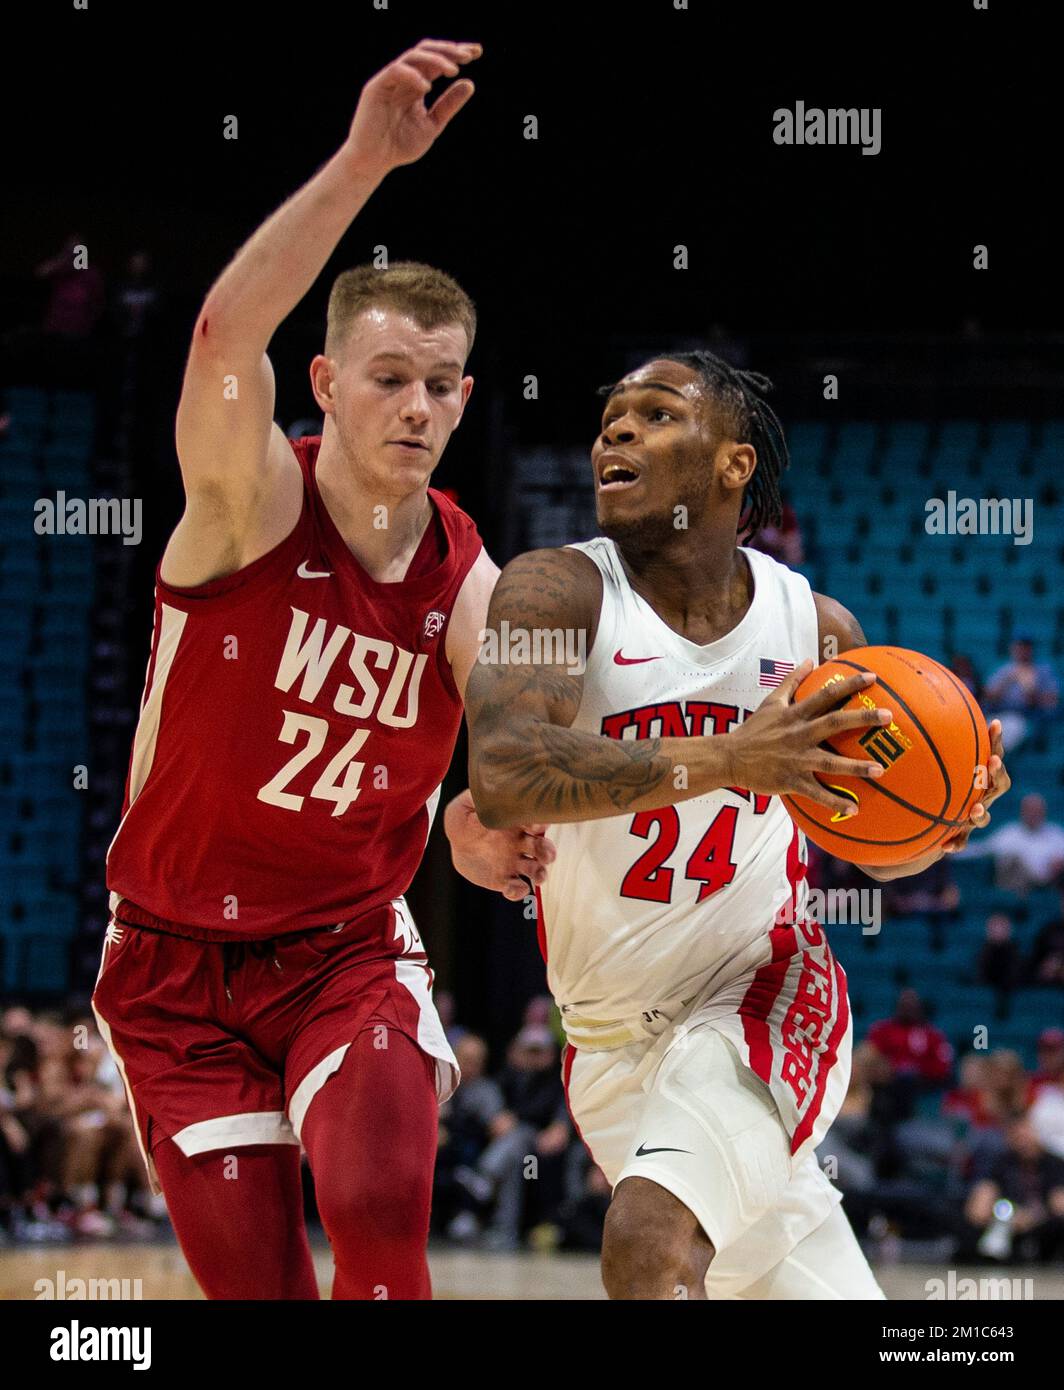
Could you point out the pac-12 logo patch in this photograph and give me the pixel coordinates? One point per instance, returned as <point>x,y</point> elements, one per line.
<point>434,621</point>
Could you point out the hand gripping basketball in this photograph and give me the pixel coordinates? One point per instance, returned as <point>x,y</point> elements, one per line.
<point>777,750</point>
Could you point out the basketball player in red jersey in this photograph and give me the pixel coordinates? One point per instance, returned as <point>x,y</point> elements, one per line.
<point>317,614</point>
<point>709,1034</point>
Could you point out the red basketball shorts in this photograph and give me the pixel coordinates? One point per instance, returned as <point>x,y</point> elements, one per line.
<point>224,1044</point>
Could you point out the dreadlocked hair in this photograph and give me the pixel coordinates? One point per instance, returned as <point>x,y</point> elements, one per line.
<point>751,420</point>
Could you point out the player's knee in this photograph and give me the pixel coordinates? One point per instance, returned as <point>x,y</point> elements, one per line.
<point>652,1246</point>
<point>383,1204</point>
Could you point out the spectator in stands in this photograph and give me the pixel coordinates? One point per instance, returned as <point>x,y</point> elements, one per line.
<point>920,1054</point>
<point>1050,1062</point>
<point>867,1160</point>
<point>841,875</point>
<point>444,1001</point>
<point>69,1159</point>
<point>974,1099</point>
<point>17,1026</point>
<point>14,1142</point>
<point>1022,693</point>
<point>582,1218</point>
<point>1047,1092</point>
<point>530,1137</point>
<point>1045,965</point>
<point>1047,1119</point>
<point>1015,1208</point>
<point>861,1139</point>
<point>462,1193</point>
<point>782,542</point>
<point>76,296</point>
<point>991,1092</point>
<point>1028,853</point>
<point>1009,1082</point>
<point>934,892</point>
<point>136,297</point>
<point>541,1010</point>
<point>962,667</point>
<point>1000,964</point>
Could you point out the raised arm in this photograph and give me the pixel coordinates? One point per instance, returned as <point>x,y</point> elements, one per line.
<point>526,762</point>
<point>242,483</point>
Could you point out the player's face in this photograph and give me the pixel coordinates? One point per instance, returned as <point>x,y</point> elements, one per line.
<point>397,392</point>
<point>654,452</point>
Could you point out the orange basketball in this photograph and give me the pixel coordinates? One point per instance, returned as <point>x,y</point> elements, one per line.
<point>930,754</point>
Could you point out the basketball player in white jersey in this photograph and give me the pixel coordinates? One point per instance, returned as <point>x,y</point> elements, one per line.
<point>707,1021</point>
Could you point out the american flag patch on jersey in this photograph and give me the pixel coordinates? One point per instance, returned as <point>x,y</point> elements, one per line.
<point>773,672</point>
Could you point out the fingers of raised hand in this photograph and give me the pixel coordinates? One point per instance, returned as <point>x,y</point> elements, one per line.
<point>835,693</point>
<point>824,796</point>
<point>430,63</point>
<point>539,848</point>
<point>839,721</point>
<point>830,765</point>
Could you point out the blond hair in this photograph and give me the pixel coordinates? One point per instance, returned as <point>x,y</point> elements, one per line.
<point>430,297</point>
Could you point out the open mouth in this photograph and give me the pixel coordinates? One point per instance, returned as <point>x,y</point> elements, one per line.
<point>615,473</point>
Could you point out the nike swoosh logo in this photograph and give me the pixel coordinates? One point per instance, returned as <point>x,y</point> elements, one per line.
<point>643,1150</point>
<point>619,660</point>
<point>304,573</point>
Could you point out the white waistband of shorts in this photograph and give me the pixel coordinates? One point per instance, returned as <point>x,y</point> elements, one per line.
<point>603,1035</point>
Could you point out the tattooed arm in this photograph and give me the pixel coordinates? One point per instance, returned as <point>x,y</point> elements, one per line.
<point>526,762</point>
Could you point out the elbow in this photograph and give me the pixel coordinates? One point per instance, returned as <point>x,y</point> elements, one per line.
<point>491,785</point>
<point>223,329</point>
<point>493,812</point>
<point>492,816</point>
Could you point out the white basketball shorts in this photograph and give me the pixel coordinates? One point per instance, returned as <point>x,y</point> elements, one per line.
<point>696,1120</point>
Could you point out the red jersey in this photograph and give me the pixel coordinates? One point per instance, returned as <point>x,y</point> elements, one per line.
<point>913,1048</point>
<point>298,718</point>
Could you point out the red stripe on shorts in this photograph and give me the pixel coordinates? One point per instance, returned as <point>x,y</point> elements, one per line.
<point>766,985</point>
<point>826,1061</point>
<point>567,1070</point>
<point>754,1011</point>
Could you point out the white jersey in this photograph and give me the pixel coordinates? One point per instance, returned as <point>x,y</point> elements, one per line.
<point>658,921</point>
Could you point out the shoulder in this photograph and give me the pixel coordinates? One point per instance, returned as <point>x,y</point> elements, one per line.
<point>455,520</point>
<point>304,450</point>
<point>836,621</point>
<point>469,616</point>
<point>475,593</point>
<point>561,582</point>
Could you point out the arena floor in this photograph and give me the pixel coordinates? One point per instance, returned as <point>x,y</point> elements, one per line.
<point>456,1274</point>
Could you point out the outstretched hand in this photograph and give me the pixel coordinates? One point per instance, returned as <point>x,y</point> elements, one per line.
<point>780,748</point>
<point>392,125</point>
<point>501,860</point>
<point>998,783</point>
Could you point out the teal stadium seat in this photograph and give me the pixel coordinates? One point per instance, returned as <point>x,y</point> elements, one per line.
<point>859,490</point>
